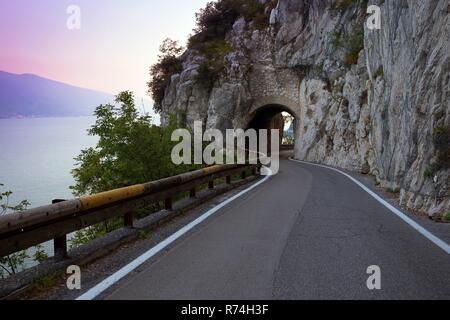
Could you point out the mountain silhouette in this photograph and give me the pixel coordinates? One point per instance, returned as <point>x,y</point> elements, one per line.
<point>28,95</point>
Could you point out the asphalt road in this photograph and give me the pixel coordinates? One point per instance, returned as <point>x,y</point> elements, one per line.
<point>307,233</point>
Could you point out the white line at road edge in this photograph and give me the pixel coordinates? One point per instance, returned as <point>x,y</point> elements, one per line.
<point>114,278</point>
<point>441,244</point>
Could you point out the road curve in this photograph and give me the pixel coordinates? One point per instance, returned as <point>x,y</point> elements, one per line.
<point>307,233</point>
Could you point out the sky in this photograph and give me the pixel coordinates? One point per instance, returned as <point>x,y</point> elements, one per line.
<point>112,51</point>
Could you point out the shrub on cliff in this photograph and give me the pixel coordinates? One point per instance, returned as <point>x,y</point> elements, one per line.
<point>352,43</point>
<point>341,5</point>
<point>217,18</point>
<point>442,145</point>
<point>206,76</point>
<point>355,43</point>
<point>214,53</point>
<point>169,63</point>
<point>213,24</point>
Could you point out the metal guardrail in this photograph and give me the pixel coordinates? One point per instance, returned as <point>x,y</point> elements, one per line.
<point>22,230</point>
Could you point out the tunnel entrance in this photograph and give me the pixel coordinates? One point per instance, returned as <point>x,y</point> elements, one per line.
<point>276,117</point>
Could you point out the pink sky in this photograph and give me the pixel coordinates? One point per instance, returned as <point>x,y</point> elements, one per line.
<point>117,42</point>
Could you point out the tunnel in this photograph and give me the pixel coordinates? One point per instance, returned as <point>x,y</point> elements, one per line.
<point>275,116</point>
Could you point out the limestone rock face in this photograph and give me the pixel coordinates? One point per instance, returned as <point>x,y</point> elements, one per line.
<point>364,100</point>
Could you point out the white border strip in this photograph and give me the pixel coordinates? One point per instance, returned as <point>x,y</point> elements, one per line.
<point>114,278</point>
<point>440,243</point>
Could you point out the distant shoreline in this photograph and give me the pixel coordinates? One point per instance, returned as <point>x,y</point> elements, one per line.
<point>20,117</point>
<point>155,118</point>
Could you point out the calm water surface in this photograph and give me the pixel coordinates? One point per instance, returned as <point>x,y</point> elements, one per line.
<point>36,156</point>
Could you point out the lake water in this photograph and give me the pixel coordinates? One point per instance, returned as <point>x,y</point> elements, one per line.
<point>36,156</point>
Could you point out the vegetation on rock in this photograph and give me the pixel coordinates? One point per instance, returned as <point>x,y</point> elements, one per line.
<point>441,141</point>
<point>342,5</point>
<point>354,45</point>
<point>447,216</point>
<point>214,22</point>
<point>169,63</point>
<point>442,145</point>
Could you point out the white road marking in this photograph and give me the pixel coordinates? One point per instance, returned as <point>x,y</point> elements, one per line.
<point>114,278</point>
<point>427,234</point>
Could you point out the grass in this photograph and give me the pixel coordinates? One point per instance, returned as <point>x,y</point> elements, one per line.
<point>441,139</point>
<point>379,73</point>
<point>336,38</point>
<point>441,130</point>
<point>394,191</point>
<point>341,5</point>
<point>143,235</point>
<point>45,282</point>
<point>428,173</point>
<point>354,45</point>
<point>447,216</point>
<point>352,41</point>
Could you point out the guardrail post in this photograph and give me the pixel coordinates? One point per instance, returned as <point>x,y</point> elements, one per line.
<point>193,193</point>
<point>128,219</point>
<point>211,184</point>
<point>228,179</point>
<point>168,204</point>
<point>244,175</point>
<point>60,243</point>
<point>255,171</point>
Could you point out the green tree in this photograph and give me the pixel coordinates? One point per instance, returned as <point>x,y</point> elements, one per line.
<point>5,205</point>
<point>12,263</point>
<point>169,63</point>
<point>130,150</point>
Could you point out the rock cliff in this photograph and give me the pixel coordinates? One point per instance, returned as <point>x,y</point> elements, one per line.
<point>373,101</point>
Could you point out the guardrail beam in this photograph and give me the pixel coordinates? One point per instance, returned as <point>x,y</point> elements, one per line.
<point>21,230</point>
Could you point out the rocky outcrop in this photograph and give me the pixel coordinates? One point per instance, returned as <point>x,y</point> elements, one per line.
<point>364,100</point>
